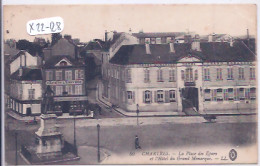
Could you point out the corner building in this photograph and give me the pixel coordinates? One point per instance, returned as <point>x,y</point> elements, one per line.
<point>161,77</point>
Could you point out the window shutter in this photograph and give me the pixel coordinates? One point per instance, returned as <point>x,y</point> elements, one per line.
<point>151,97</point>
<point>133,93</point>
<point>143,96</point>
<point>155,96</point>
<point>167,97</point>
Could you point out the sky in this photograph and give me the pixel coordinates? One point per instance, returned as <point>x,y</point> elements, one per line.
<point>88,22</point>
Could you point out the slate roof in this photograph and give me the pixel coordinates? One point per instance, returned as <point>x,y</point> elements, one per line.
<point>160,53</point>
<point>52,61</point>
<point>27,74</point>
<point>157,34</point>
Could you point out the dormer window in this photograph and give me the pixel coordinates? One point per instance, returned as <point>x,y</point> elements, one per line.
<point>63,63</point>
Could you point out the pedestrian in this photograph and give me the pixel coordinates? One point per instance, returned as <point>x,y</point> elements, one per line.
<point>137,146</point>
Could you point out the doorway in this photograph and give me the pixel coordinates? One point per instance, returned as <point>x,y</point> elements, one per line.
<point>65,106</point>
<point>190,95</point>
<point>28,111</point>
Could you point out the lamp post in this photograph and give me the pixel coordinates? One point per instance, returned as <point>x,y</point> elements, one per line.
<point>137,112</point>
<point>74,126</point>
<point>16,150</point>
<point>98,148</point>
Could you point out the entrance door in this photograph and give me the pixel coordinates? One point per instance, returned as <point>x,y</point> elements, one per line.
<point>65,106</point>
<point>190,94</point>
<point>28,111</point>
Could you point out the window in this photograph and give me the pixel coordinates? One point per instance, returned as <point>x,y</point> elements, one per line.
<point>78,89</point>
<point>247,93</point>
<point>207,95</point>
<point>69,89</point>
<point>219,95</point>
<point>129,95</point>
<point>252,73</point>
<point>159,96</point>
<point>59,90</point>
<point>189,75</point>
<point>230,74</point>
<point>49,75</point>
<point>31,93</point>
<point>168,39</point>
<point>147,96</point>
<point>252,93</point>
<point>153,40</point>
<point>241,73</point>
<point>219,74</point>
<point>63,63</point>
<point>58,75</point>
<point>225,94</point>
<point>206,74</point>
<point>147,40</point>
<point>182,75</point>
<point>196,74</point>
<point>68,75</point>
<point>230,94</point>
<point>146,75</point>
<point>159,75</point>
<point>241,93</point>
<point>171,75</point>
<point>128,76</point>
<point>172,95</point>
<point>236,94</point>
<point>214,94</point>
<point>158,41</point>
<point>79,74</point>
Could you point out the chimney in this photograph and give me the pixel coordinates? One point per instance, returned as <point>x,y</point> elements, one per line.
<point>130,31</point>
<point>20,72</point>
<point>172,50</point>
<point>195,45</point>
<point>106,36</point>
<point>147,48</point>
<point>68,37</point>
<point>248,38</point>
<point>231,42</point>
<point>210,39</point>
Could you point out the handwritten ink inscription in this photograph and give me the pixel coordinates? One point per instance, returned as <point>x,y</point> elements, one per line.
<point>45,26</point>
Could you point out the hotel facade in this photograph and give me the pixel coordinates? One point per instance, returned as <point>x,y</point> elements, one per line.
<point>159,77</point>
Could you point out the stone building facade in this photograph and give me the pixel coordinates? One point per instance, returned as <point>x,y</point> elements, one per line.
<point>159,77</point>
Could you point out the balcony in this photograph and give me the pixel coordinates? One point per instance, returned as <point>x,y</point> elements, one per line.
<point>189,83</point>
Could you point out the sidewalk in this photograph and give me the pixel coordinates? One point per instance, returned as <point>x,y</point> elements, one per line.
<point>16,116</point>
<point>168,114</point>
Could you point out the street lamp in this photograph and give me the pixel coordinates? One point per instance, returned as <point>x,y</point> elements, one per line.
<point>98,150</point>
<point>137,112</point>
<point>16,150</point>
<point>75,144</point>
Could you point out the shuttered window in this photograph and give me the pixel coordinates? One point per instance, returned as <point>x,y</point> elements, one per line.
<point>207,96</point>
<point>172,96</point>
<point>160,97</point>
<point>147,96</point>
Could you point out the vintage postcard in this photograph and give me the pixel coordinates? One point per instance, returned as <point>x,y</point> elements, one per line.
<point>130,84</point>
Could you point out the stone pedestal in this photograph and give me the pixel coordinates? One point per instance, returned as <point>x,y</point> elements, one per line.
<point>49,141</point>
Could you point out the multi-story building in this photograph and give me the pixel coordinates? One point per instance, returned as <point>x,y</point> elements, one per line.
<point>159,77</point>
<point>66,77</point>
<point>26,91</point>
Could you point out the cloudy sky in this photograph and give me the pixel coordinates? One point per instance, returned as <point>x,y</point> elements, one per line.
<point>87,22</point>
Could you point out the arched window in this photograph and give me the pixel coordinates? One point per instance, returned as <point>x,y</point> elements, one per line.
<point>63,63</point>
<point>22,60</point>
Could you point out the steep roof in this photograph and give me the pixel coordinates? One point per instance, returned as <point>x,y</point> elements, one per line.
<point>27,74</point>
<point>52,61</point>
<point>157,34</point>
<point>160,53</point>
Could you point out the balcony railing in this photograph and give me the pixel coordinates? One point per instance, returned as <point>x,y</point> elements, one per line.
<point>189,83</point>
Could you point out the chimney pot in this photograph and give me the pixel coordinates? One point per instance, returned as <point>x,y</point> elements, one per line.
<point>147,48</point>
